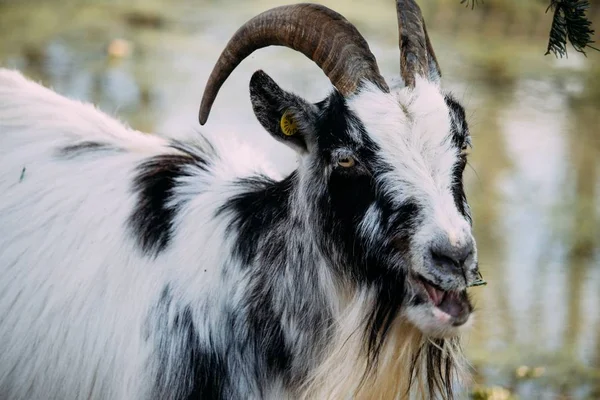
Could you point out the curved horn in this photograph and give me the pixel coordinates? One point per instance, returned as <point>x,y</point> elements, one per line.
<point>416,52</point>
<point>318,32</point>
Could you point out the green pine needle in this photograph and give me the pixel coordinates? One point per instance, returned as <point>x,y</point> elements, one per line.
<point>479,281</point>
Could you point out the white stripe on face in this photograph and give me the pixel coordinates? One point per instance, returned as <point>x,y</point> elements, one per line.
<point>413,129</point>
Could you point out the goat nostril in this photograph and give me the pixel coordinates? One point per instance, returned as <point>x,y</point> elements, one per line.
<point>456,257</point>
<point>449,257</point>
<point>445,260</point>
<point>464,259</point>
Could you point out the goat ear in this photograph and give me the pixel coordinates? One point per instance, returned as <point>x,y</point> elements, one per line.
<point>287,117</point>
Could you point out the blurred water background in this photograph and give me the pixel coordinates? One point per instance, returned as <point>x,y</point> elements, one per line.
<point>534,179</point>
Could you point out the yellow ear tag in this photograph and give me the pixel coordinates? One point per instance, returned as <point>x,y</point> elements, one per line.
<point>288,125</point>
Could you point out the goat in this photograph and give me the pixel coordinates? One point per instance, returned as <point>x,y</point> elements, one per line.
<point>137,267</point>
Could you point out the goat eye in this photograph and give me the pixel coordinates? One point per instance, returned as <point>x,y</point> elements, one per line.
<point>346,162</point>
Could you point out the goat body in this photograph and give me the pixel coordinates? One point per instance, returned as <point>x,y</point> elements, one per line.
<point>103,303</point>
<point>136,267</point>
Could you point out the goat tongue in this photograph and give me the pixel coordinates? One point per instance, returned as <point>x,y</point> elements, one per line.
<point>453,304</point>
<point>436,295</point>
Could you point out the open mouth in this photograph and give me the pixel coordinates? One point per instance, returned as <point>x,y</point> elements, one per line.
<point>449,306</point>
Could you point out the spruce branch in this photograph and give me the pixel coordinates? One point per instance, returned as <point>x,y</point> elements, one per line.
<point>472,2</point>
<point>569,22</point>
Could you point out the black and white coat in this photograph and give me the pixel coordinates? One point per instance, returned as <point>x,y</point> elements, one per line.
<point>134,267</point>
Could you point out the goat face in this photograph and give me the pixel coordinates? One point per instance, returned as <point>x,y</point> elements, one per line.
<point>382,180</point>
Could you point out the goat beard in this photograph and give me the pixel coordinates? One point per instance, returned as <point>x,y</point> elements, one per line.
<point>376,353</point>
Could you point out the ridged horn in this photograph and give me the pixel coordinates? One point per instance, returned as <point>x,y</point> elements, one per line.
<point>416,52</point>
<point>316,31</point>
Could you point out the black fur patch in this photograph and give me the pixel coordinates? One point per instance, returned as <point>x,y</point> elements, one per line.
<point>260,206</point>
<point>460,135</point>
<point>261,225</point>
<point>390,297</point>
<point>266,331</point>
<point>458,191</point>
<point>84,148</point>
<point>187,370</point>
<point>458,121</point>
<point>254,214</point>
<point>154,212</point>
